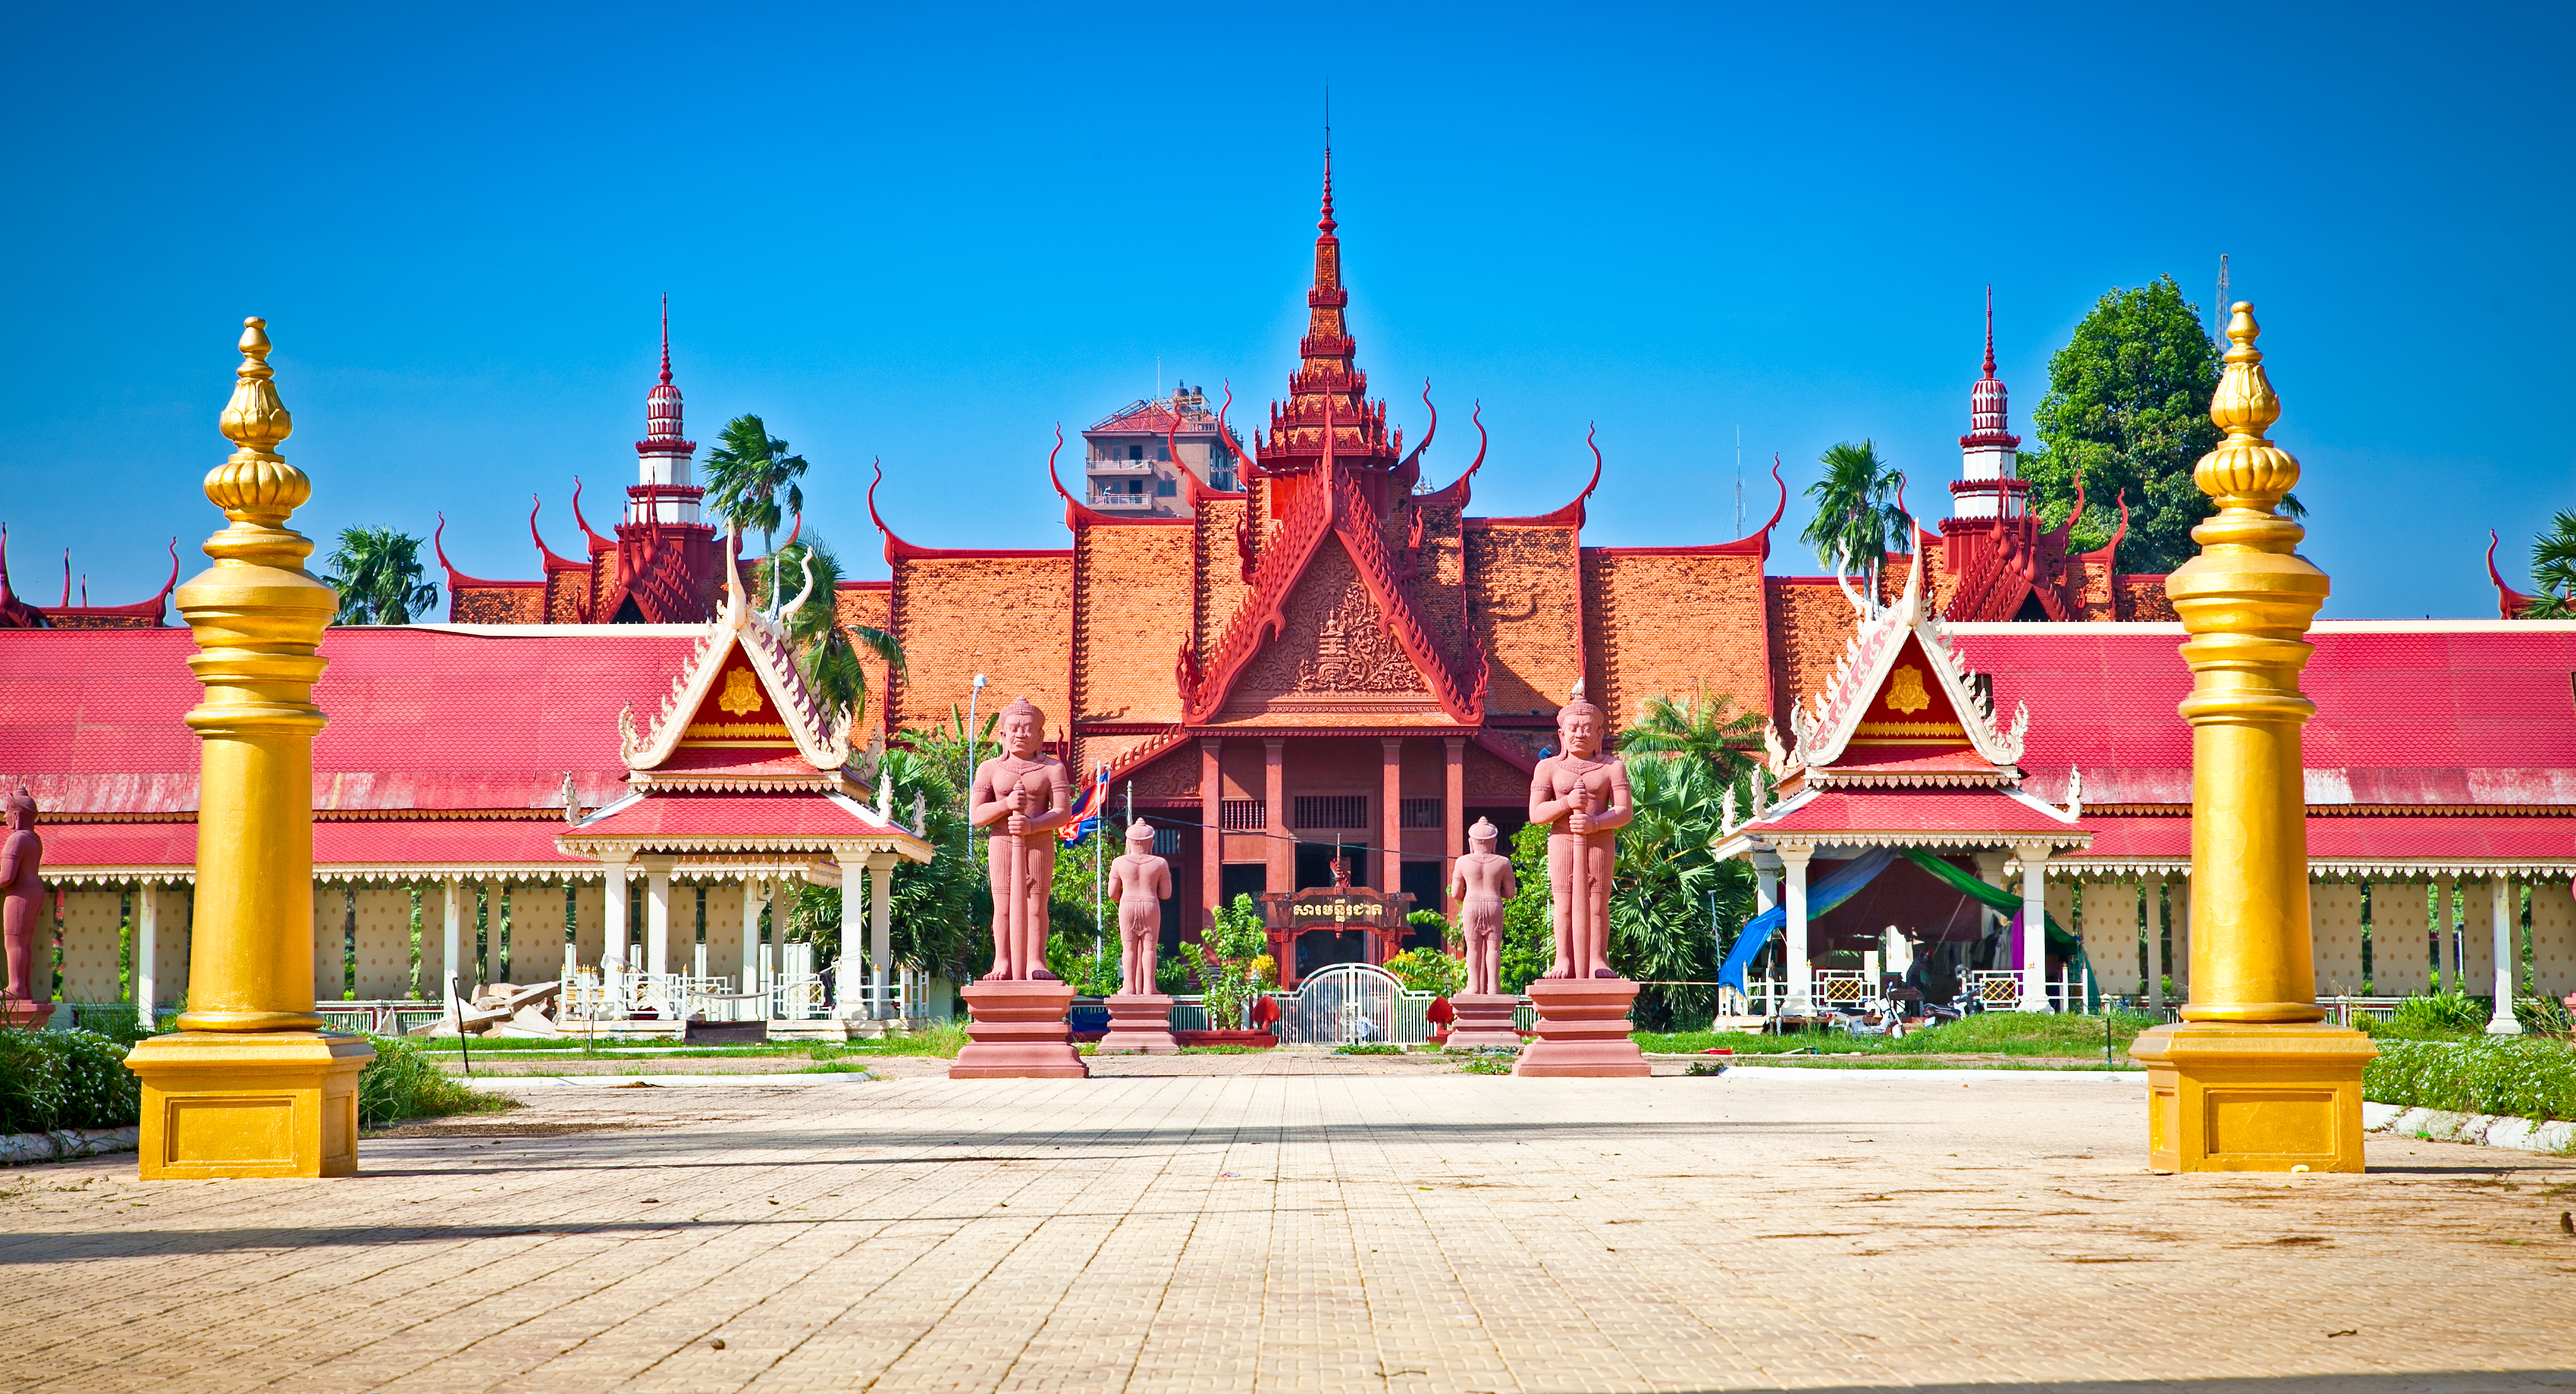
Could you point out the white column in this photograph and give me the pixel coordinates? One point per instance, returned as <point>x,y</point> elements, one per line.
<point>847,984</point>
<point>754,900</point>
<point>1801,996</point>
<point>881,925</point>
<point>2034,926</point>
<point>613,907</point>
<point>452,946</point>
<point>2503,918</point>
<point>2155,892</point>
<point>657,915</point>
<point>147,946</point>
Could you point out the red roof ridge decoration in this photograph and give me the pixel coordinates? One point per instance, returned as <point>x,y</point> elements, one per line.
<point>598,544</point>
<point>16,613</point>
<point>2511,604</point>
<point>1457,492</point>
<point>547,561</point>
<point>1572,514</point>
<point>458,580</point>
<point>1334,509</point>
<point>763,641</point>
<point>896,549</point>
<point>1822,736</point>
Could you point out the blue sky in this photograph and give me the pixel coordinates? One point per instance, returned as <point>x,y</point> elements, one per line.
<point>930,236</point>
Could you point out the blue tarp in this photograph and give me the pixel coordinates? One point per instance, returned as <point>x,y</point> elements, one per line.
<point>1828,892</point>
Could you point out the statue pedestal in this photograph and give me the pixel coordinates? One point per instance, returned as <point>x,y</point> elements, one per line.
<point>2248,1096</point>
<point>1016,1030</point>
<point>1484,1021</point>
<point>1582,1031</point>
<point>249,1103</point>
<point>30,1016</point>
<point>1139,1024</point>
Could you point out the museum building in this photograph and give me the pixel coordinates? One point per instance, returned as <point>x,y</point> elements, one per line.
<point>1335,660</point>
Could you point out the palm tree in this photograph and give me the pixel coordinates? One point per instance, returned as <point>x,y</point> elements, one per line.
<point>751,480</point>
<point>1856,511</point>
<point>1708,728</point>
<point>828,651</point>
<point>2553,569</point>
<point>1669,891</point>
<point>378,575</point>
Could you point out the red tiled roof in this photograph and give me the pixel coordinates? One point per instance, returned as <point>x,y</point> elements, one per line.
<point>761,816</point>
<point>2356,838</point>
<point>2468,713</point>
<point>1954,814</point>
<point>90,720</point>
<point>410,842</point>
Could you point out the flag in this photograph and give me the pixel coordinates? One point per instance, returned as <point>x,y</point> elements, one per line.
<point>1088,810</point>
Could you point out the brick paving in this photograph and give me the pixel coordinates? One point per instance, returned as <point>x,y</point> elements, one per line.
<point>1268,1225</point>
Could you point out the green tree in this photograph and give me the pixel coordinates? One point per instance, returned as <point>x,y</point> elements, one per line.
<point>2553,570</point>
<point>752,481</point>
<point>1226,969</point>
<point>828,651</point>
<point>2128,407</point>
<point>941,910</point>
<point>1707,728</point>
<point>1856,513</point>
<point>1529,943</point>
<point>378,574</point>
<point>1667,884</point>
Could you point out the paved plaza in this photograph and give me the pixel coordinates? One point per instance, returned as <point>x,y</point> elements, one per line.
<point>1258,1225</point>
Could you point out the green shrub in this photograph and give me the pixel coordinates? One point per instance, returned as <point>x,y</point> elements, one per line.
<point>403,1081</point>
<point>2491,1074</point>
<point>1429,970</point>
<point>65,1079</point>
<point>1369,1048</point>
<point>1486,1063</point>
<point>2437,1017</point>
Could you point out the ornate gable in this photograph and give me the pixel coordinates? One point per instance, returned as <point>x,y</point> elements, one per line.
<point>1335,647</point>
<point>1902,707</point>
<point>739,704</point>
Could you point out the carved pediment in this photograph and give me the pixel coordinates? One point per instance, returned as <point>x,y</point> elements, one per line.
<point>1334,648</point>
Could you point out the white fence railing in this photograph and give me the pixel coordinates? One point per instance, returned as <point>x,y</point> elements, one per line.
<point>783,984</point>
<point>1844,989</point>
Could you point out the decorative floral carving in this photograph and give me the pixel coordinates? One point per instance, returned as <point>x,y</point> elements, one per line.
<point>741,693</point>
<point>1354,653</point>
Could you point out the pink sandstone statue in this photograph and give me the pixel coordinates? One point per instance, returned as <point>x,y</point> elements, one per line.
<point>1582,795</point>
<point>22,912</point>
<point>1023,795</point>
<point>1482,882</point>
<point>1142,882</point>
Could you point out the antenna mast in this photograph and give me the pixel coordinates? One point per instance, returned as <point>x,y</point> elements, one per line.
<point>2218,316</point>
<point>1739,481</point>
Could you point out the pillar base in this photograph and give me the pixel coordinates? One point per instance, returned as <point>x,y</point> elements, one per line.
<point>1582,1031</point>
<point>224,1104</point>
<point>2242,1096</point>
<point>1016,1030</point>
<point>1139,1024</point>
<point>1485,1021</point>
<point>30,1016</point>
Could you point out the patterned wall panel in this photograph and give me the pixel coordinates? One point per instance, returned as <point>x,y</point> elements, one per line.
<point>2553,939</point>
<point>93,925</point>
<point>2111,934</point>
<point>384,942</point>
<point>2401,962</point>
<point>330,941</point>
<point>724,929</point>
<point>536,931</point>
<point>169,965</point>
<point>2477,935</point>
<point>590,912</point>
<point>2334,936</point>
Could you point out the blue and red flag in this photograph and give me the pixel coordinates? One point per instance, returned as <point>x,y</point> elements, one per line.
<point>1088,809</point>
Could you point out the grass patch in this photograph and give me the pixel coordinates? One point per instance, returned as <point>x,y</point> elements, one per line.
<point>943,1040</point>
<point>1486,1063</point>
<point>2515,1076</point>
<point>1369,1048</point>
<point>404,1082</point>
<point>1986,1033</point>
<point>1223,1050</point>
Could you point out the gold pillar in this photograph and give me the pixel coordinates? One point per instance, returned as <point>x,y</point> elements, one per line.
<point>250,1086</point>
<point>2250,1079</point>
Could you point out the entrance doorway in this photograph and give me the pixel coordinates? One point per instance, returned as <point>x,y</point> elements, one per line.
<point>1320,949</point>
<point>1315,864</point>
<point>1241,878</point>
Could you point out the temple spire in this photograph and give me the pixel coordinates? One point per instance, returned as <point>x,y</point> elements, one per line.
<point>666,333</point>
<point>1990,331</point>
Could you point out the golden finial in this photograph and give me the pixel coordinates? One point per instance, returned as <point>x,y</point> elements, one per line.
<point>2247,473</point>
<point>256,486</point>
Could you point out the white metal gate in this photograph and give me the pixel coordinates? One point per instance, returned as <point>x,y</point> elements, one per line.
<point>1353,1002</point>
